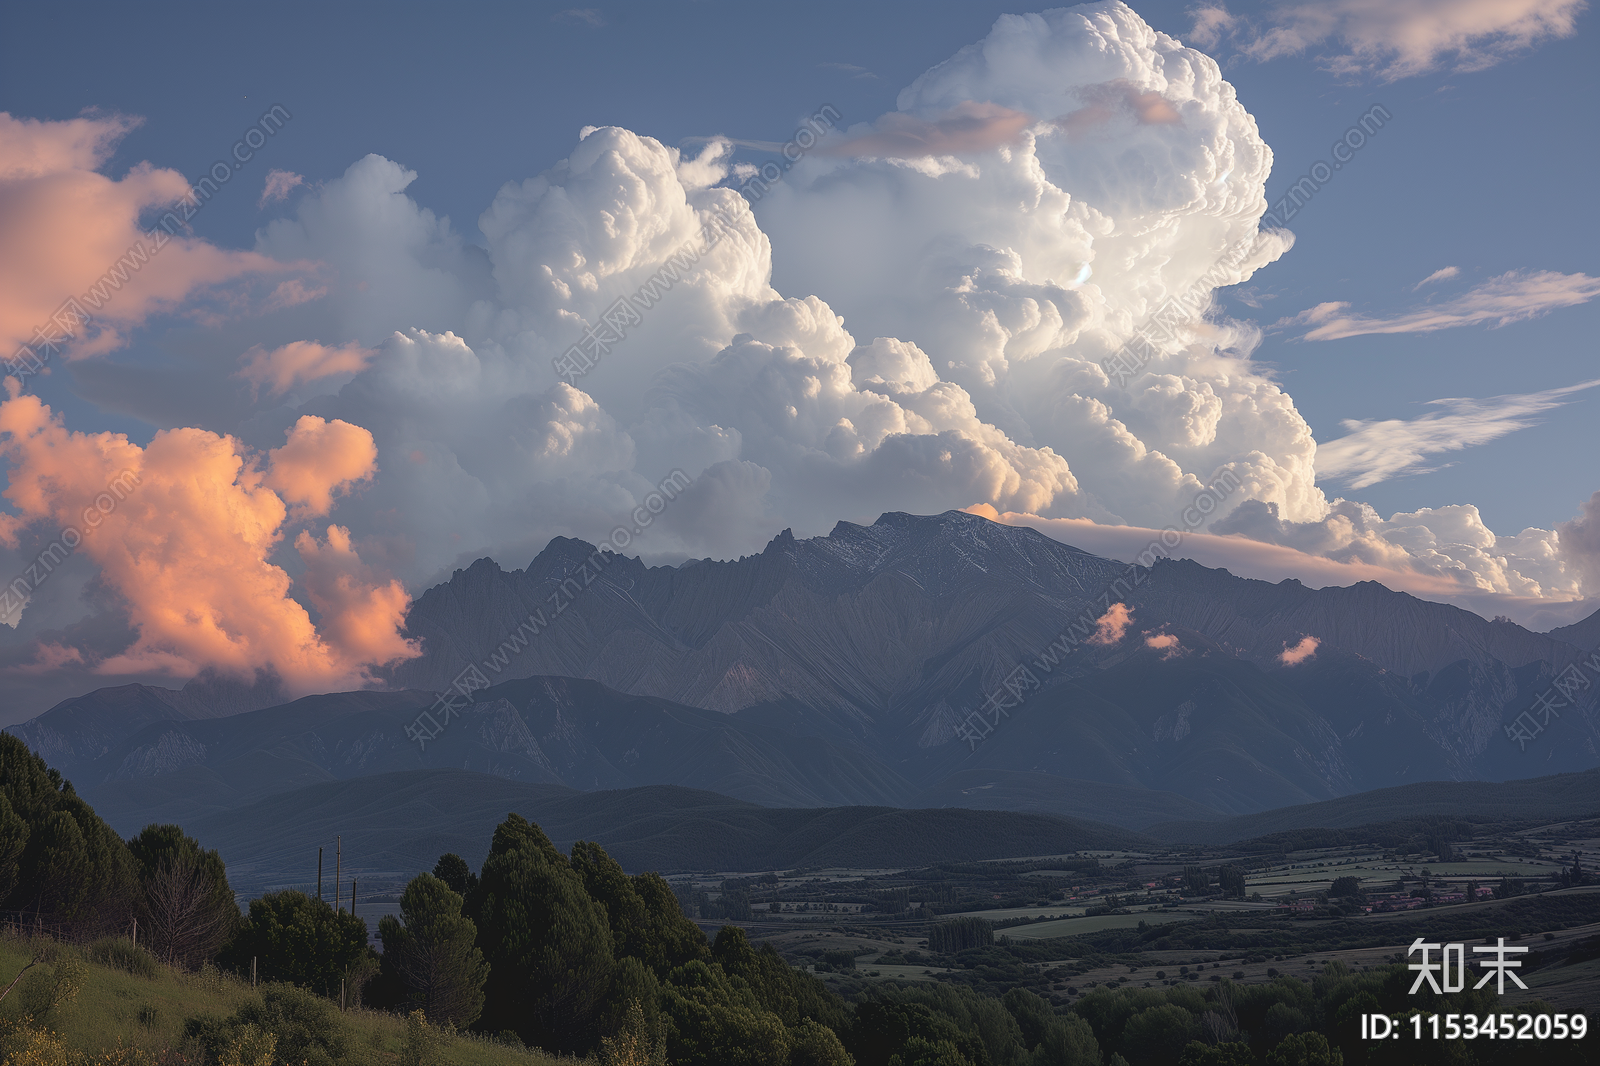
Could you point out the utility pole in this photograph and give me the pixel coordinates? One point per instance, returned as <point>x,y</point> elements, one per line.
<point>319,875</point>
<point>352,897</point>
<point>338,858</point>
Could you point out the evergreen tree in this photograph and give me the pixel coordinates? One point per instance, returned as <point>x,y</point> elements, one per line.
<point>69,866</point>
<point>300,940</point>
<point>431,949</point>
<point>453,870</point>
<point>605,883</point>
<point>672,939</point>
<point>186,907</point>
<point>13,840</point>
<point>547,943</point>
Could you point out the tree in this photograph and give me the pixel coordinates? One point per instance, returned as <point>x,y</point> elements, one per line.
<point>431,948</point>
<point>68,863</point>
<point>1231,880</point>
<point>1159,1034</point>
<point>814,1044</point>
<point>13,839</point>
<point>1305,1049</point>
<point>637,1043</point>
<point>1196,882</point>
<point>186,907</point>
<point>671,939</point>
<point>959,934</point>
<point>547,943</point>
<point>300,940</point>
<point>1345,886</point>
<point>1068,1041</point>
<point>605,883</point>
<point>453,870</point>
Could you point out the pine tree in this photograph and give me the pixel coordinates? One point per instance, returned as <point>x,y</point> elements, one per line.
<point>431,948</point>
<point>547,943</point>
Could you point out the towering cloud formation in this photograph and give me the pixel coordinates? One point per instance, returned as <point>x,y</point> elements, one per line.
<point>183,530</point>
<point>960,281</point>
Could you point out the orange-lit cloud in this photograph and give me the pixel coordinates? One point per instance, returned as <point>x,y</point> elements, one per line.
<point>48,658</point>
<point>64,226</point>
<point>319,459</point>
<point>279,184</point>
<point>186,539</point>
<point>1120,97</point>
<point>1166,643</point>
<point>1305,649</point>
<point>1112,626</point>
<point>362,610</point>
<point>299,362</point>
<point>968,127</point>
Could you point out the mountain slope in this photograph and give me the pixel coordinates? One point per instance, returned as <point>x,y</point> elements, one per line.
<point>393,825</point>
<point>555,731</point>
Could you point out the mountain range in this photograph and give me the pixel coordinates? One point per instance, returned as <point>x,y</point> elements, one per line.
<point>853,670</point>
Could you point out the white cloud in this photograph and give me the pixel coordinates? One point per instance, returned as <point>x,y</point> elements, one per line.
<point>1392,39</point>
<point>1442,274</point>
<point>1516,296</point>
<point>919,329</point>
<point>1376,451</point>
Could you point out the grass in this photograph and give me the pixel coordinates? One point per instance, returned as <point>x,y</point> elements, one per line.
<point>114,1007</point>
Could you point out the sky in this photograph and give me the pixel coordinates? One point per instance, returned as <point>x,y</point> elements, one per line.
<point>1066,267</point>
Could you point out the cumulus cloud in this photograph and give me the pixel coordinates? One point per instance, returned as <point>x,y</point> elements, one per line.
<point>1111,627</point>
<point>1513,297</point>
<point>919,316</point>
<point>183,530</point>
<point>72,232</point>
<point>1375,451</point>
<point>1392,39</point>
<point>1580,542</point>
<point>1304,649</point>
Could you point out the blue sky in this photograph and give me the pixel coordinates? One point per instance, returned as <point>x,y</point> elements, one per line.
<point>1484,167</point>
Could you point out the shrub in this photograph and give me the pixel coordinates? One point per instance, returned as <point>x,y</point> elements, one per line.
<point>119,954</point>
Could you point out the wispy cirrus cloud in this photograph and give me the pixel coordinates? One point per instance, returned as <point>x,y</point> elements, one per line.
<point>851,69</point>
<point>1391,39</point>
<point>1512,297</point>
<point>1376,451</point>
<point>1442,274</point>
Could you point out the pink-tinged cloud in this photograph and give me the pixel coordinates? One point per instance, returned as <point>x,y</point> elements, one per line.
<point>965,129</point>
<point>1166,643</point>
<point>281,369</point>
<point>360,610</point>
<point>70,232</point>
<point>1304,650</point>
<point>1513,297</point>
<point>1253,558</point>
<point>1116,99</point>
<point>319,459</point>
<point>280,183</point>
<point>183,531</point>
<point>48,658</point>
<point>1393,38</point>
<point>1112,626</point>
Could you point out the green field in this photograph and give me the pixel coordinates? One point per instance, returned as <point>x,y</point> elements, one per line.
<point>1076,926</point>
<point>145,1015</point>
